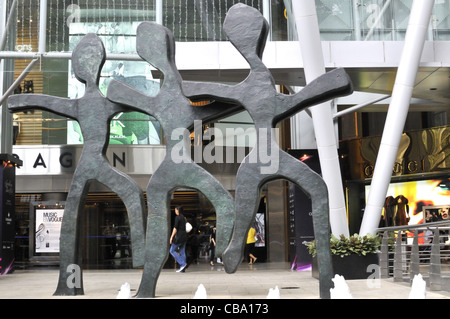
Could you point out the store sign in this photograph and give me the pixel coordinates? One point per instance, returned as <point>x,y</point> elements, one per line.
<point>24,48</point>
<point>57,160</point>
<point>421,151</point>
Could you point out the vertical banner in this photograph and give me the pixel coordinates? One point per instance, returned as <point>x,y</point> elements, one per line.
<point>260,227</point>
<point>300,221</point>
<point>7,216</point>
<point>300,228</point>
<point>291,225</point>
<point>47,230</point>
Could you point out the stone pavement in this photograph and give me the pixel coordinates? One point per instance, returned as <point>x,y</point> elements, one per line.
<point>249,282</point>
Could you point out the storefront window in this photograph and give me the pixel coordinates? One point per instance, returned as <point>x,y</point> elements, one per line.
<point>105,229</point>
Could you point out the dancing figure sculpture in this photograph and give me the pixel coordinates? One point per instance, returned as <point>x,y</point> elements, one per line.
<point>247,30</point>
<point>94,113</point>
<point>176,114</point>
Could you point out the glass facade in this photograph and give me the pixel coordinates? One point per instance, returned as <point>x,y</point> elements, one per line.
<point>115,21</point>
<point>376,20</point>
<point>193,20</point>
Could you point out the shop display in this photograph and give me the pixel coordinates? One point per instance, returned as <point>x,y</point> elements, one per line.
<point>410,199</point>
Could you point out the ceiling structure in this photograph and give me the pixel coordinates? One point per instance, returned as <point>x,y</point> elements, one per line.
<point>373,77</point>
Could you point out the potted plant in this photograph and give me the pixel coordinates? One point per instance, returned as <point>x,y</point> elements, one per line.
<point>351,256</point>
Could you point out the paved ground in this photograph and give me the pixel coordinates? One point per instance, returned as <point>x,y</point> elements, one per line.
<point>249,282</point>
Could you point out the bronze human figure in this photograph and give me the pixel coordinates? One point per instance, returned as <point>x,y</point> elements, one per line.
<point>176,114</point>
<point>247,30</point>
<point>94,112</point>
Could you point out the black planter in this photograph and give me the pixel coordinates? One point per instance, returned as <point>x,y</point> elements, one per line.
<point>350,267</point>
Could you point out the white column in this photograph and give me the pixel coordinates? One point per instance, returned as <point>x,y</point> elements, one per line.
<point>267,15</point>
<point>398,110</point>
<point>159,12</point>
<point>314,66</point>
<point>43,26</point>
<point>356,20</point>
<point>302,130</point>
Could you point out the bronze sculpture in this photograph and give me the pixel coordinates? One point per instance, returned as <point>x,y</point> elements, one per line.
<point>247,30</point>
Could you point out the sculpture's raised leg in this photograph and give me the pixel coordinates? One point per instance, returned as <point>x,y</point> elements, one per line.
<point>70,281</point>
<point>166,179</point>
<point>248,186</point>
<point>132,196</point>
<point>157,239</point>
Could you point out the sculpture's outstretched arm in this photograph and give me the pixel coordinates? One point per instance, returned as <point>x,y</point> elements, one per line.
<point>61,106</point>
<point>326,87</point>
<point>205,90</point>
<point>215,110</point>
<point>119,92</point>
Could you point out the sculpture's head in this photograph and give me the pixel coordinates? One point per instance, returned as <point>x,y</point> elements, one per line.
<point>88,58</point>
<point>247,30</point>
<point>156,45</point>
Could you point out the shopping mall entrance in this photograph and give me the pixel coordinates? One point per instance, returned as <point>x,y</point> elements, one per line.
<point>105,230</point>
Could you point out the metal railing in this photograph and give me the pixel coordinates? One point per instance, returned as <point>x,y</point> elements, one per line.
<point>407,251</point>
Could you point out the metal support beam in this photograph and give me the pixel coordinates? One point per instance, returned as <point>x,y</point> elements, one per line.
<point>19,79</point>
<point>415,257</point>
<point>8,24</point>
<point>65,55</point>
<point>359,106</point>
<point>6,66</point>
<point>311,48</point>
<point>398,258</point>
<point>398,110</point>
<point>384,256</point>
<point>435,262</point>
<point>356,19</point>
